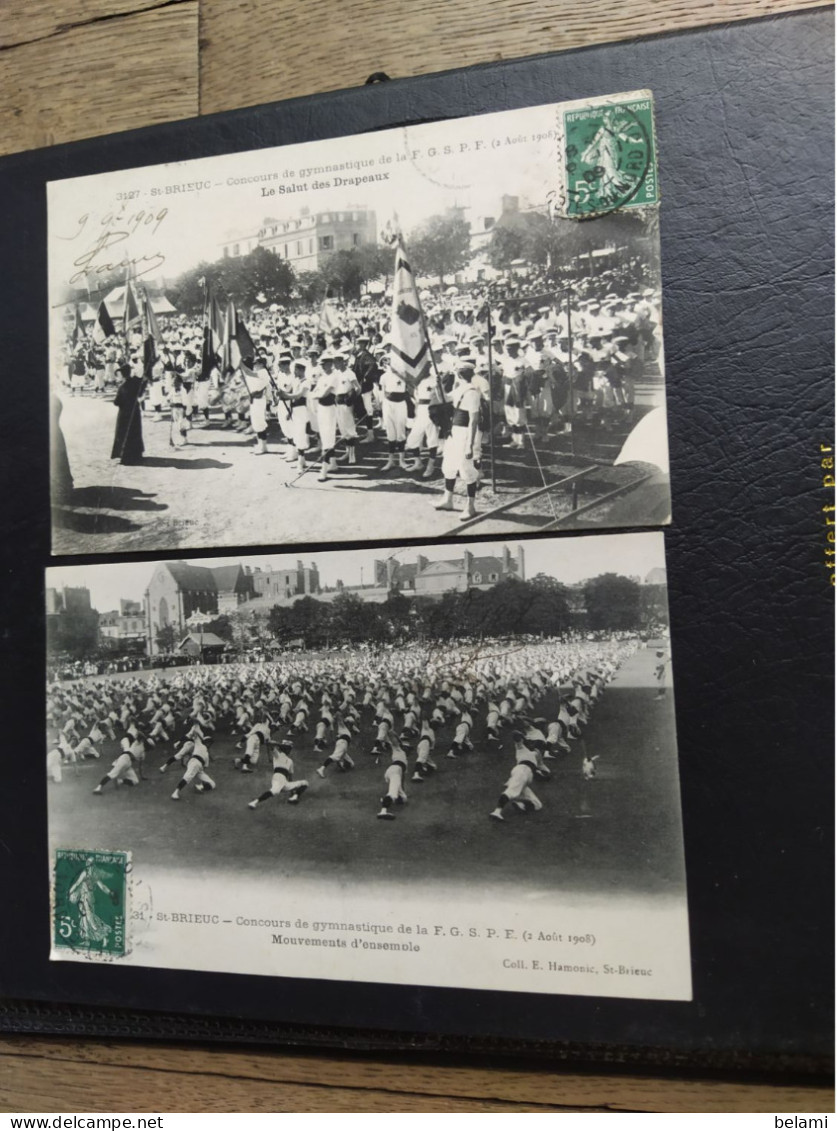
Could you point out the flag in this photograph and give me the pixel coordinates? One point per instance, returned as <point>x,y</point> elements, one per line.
<point>209,357</point>
<point>131,313</point>
<point>149,318</point>
<point>230,319</point>
<point>237,341</point>
<point>103,327</point>
<point>243,343</point>
<point>215,322</point>
<point>78,326</point>
<point>409,348</point>
<point>149,356</point>
<point>328,315</point>
<point>213,333</point>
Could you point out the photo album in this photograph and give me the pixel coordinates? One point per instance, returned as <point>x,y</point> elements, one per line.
<point>420,562</point>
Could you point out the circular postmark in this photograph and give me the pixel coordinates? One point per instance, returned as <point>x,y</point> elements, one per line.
<point>90,903</point>
<point>608,154</point>
<point>441,164</point>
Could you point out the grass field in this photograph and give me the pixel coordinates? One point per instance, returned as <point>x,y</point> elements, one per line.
<point>619,832</point>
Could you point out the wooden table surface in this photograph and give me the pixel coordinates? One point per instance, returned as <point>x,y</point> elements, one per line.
<point>45,1074</point>
<point>78,68</point>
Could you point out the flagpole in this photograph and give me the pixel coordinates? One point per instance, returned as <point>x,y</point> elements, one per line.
<point>490,331</point>
<point>439,387</point>
<point>570,371</point>
<point>125,313</point>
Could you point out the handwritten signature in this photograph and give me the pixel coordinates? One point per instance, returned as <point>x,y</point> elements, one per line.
<point>112,231</point>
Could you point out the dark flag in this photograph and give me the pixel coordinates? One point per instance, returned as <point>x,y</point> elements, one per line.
<point>78,326</point>
<point>103,327</point>
<point>149,318</point>
<point>237,341</point>
<point>150,333</point>
<point>131,313</point>
<point>243,342</point>
<point>215,320</point>
<point>213,334</point>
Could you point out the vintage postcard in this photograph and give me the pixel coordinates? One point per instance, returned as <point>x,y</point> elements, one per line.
<point>419,332</point>
<point>451,765</point>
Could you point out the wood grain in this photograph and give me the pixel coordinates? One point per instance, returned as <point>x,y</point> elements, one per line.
<point>100,77</point>
<point>258,51</point>
<point>55,1076</point>
<point>26,20</point>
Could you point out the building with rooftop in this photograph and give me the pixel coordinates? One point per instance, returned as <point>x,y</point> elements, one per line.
<point>307,240</point>
<point>301,581</point>
<point>427,578</point>
<point>177,591</point>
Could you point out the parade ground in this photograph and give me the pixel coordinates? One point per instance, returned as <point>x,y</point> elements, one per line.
<point>619,832</point>
<point>216,492</point>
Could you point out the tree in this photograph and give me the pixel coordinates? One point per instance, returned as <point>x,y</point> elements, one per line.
<point>188,294</point>
<point>166,638</point>
<point>653,605</point>
<point>243,631</point>
<point>450,617</point>
<point>221,626</point>
<point>519,235</point>
<point>242,278</point>
<point>278,622</point>
<point>554,243</point>
<point>548,611</point>
<point>355,620</point>
<point>310,287</point>
<point>309,619</point>
<point>440,246</point>
<point>74,632</point>
<point>613,602</point>
<point>397,612</point>
<point>345,272</point>
<point>376,262</point>
<point>260,275</point>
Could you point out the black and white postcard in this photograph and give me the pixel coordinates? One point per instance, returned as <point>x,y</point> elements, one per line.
<point>451,765</point>
<point>417,332</point>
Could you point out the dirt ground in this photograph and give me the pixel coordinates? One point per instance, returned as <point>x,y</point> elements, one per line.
<point>215,492</point>
<point>620,832</point>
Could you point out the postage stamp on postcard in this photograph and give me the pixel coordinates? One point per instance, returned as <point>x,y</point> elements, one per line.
<point>610,159</point>
<point>90,895</point>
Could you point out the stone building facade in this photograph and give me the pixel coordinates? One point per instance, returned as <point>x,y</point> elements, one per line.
<point>307,240</point>
<point>178,590</point>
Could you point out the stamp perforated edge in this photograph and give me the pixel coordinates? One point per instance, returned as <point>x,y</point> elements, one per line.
<point>561,201</point>
<point>73,952</point>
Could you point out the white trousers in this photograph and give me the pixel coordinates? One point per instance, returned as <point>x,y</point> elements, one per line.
<point>394,417</point>
<point>423,429</point>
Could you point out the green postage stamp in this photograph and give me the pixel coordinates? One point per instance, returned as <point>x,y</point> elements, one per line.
<point>90,902</point>
<point>609,155</point>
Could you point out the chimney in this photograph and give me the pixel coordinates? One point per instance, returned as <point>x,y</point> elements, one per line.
<point>468,563</point>
<point>521,566</point>
<point>391,566</point>
<point>507,567</point>
<point>339,584</point>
